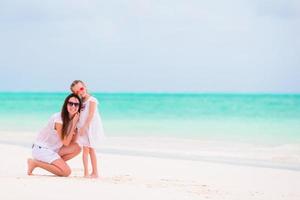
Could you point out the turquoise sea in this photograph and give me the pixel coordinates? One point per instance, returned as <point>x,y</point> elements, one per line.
<point>260,130</point>
<point>266,118</point>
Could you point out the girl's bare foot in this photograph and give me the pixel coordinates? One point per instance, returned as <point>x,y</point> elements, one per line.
<point>31,165</point>
<point>94,176</point>
<point>86,175</point>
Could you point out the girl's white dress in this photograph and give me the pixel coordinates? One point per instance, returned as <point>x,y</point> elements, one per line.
<point>95,132</point>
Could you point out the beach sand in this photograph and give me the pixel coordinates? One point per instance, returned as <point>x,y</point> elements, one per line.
<point>141,177</point>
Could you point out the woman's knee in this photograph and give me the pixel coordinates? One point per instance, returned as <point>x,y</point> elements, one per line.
<point>66,171</point>
<point>77,148</point>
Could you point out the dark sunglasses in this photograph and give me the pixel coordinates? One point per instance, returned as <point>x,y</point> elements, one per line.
<point>73,104</point>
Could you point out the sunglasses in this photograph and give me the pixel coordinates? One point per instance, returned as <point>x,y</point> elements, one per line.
<point>73,104</point>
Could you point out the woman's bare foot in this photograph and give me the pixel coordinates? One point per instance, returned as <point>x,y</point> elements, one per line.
<point>31,165</point>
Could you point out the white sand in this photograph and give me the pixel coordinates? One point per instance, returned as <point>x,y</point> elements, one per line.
<point>133,177</point>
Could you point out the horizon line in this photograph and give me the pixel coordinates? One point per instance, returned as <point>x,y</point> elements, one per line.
<point>166,92</point>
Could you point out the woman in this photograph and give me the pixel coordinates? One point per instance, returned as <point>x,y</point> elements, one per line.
<point>55,143</point>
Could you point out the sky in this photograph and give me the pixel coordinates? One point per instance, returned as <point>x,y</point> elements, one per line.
<point>151,46</point>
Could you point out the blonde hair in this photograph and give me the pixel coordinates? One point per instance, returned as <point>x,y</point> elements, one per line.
<point>75,82</point>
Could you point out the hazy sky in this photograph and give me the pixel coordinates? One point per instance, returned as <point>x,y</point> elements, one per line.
<point>157,45</point>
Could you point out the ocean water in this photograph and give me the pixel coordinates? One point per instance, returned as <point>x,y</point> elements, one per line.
<point>246,129</point>
<point>234,117</point>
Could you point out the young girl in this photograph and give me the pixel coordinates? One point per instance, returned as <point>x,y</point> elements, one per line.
<point>90,127</point>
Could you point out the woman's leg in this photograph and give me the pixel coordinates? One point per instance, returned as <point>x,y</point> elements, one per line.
<point>85,159</point>
<point>93,155</point>
<point>69,152</point>
<point>58,167</point>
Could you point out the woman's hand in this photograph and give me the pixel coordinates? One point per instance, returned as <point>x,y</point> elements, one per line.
<point>76,118</point>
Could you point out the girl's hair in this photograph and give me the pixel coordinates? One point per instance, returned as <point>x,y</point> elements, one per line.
<point>74,83</point>
<point>65,115</point>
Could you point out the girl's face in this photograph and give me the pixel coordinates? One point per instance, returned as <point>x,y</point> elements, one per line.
<point>79,89</point>
<point>73,105</point>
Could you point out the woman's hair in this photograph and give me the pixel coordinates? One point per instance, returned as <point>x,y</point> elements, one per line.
<point>74,83</point>
<point>65,115</point>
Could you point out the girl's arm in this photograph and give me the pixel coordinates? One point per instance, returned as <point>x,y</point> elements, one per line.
<point>92,109</point>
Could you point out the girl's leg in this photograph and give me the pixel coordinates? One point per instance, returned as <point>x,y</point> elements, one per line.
<point>69,152</point>
<point>85,159</point>
<point>58,167</point>
<point>93,155</point>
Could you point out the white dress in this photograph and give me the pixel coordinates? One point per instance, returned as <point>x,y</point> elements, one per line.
<point>95,133</point>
